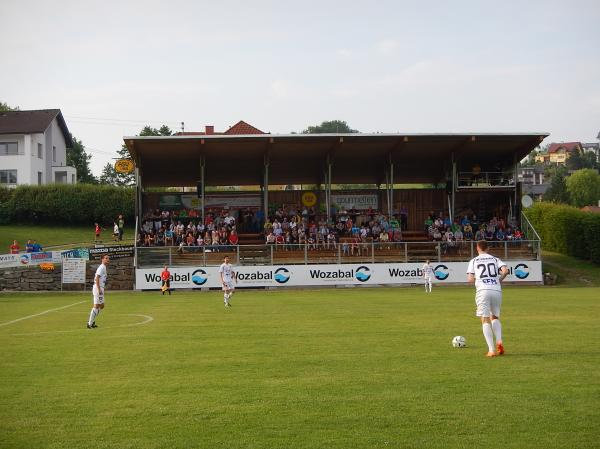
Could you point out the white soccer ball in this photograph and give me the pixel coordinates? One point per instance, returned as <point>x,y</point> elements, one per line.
<point>459,342</point>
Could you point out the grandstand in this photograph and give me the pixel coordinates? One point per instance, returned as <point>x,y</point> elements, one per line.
<point>456,174</point>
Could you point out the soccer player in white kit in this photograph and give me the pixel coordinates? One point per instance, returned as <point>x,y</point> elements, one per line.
<point>487,272</point>
<point>227,277</point>
<point>98,292</point>
<point>427,275</point>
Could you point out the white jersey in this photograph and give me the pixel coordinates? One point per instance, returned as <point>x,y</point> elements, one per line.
<point>486,269</point>
<point>226,271</point>
<point>101,273</point>
<point>427,270</point>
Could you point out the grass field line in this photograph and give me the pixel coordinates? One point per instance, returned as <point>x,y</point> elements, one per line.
<point>41,313</point>
<point>147,319</point>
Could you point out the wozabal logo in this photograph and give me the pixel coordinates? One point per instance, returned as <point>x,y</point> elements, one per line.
<point>441,272</point>
<point>282,275</point>
<point>521,271</point>
<point>199,277</point>
<point>363,274</point>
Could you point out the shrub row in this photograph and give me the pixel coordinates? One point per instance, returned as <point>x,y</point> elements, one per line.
<point>567,230</point>
<point>66,204</point>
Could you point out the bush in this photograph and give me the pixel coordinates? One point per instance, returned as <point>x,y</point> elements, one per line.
<point>567,230</point>
<point>66,203</point>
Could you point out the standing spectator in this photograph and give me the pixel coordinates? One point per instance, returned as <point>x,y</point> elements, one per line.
<point>37,248</point>
<point>97,231</point>
<point>14,248</point>
<point>29,246</point>
<point>121,224</point>
<point>116,231</point>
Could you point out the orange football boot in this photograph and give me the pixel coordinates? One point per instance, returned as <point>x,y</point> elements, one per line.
<point>499,348</point>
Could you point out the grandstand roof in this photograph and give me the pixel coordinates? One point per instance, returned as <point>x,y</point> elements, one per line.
<point>300,158</point>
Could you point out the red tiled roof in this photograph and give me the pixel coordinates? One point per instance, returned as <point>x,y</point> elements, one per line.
<point>567,146</point>
<point>242,127</point>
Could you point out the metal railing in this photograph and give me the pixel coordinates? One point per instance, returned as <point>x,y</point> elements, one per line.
<point>338,253</point>
<point>530,233</point>
<point>484,179</point>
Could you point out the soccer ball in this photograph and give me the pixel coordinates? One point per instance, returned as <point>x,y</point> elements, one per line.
<point>459,342</point>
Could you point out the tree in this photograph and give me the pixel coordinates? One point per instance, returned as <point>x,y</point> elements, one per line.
<point>330,127</point>
<point>111,177</point>
<point>5,107</point>
<point>558,189</point>
<point>584,187</point>
<point>109,174</point>
<point>575,161</point>
<point>589,160</point>
<point>78,158</point>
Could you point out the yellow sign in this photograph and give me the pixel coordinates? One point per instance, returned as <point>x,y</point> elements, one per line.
<point>309,199</point>
<point>47,266</point>
<point>124,166</point>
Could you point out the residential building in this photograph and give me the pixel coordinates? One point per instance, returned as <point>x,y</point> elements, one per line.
<point>33,148</point>
<point>240,128</point>
<point>532,179</point>
<point>558,153</point>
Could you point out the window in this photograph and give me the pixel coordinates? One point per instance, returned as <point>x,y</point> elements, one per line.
<point>40,150</point>
<point>8,176</point>
<point>39,178</point>
<point>53,154</point>
<point>9,148</point>
<point>72,179</point>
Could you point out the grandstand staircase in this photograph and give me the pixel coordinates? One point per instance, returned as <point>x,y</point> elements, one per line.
<point>253,251</point>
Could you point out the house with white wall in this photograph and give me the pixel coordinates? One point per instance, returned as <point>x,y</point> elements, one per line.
<point>33,148</point>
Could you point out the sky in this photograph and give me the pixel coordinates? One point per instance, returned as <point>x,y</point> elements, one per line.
<point>382,66</point>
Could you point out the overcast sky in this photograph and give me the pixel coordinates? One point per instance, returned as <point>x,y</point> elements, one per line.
<point>386,66</point>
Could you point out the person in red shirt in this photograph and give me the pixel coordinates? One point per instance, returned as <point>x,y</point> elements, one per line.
<point>14,248</point>
<point>233,238</point>
<point>97,230</point>
<point>165,276</point>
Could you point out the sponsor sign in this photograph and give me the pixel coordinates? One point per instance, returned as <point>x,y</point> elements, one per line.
<point>309,199</point>
<point>115,252</point>
<point>38,258</point>
<point>355,201</point>
<point>47,266</point>
<point>73,271</point>
<point>10,260</point>
<point>124,166</point>
<point>170,202</point>
<point>345,274</point>
<point>78,253</point>
<point>231,201</point>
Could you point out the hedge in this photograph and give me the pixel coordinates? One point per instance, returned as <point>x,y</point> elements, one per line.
<point>567,230</point>
<point>66,204</point>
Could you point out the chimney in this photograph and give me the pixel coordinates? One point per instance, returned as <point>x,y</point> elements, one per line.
<point>209,129</point>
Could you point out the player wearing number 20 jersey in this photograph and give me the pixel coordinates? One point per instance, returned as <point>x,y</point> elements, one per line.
<point>487,272</point>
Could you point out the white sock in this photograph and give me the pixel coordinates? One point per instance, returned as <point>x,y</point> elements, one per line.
<point>226,298</point>
<point>93,314</point>
<point>497,327</point>
<point>489,336</point>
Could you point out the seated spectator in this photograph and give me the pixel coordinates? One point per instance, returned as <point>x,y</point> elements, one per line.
<point>480,235</point>
<point>518,234</point>
<point>270,239</point>
<point>14,248</point>
<point>468,232</point>
<point>500,234</point>
<point>169,237</point>
<point>233,238</point>
<point>437,235</point>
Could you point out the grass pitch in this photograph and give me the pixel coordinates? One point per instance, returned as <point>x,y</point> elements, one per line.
<point>343,368</point>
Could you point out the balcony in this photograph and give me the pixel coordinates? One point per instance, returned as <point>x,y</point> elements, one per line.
<point>485,180</point>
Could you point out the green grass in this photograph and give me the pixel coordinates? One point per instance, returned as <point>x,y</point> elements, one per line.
<point>570,270</point>
<point>55,235</point>
<point>337,368</point>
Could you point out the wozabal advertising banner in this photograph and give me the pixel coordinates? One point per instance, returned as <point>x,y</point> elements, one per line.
<point>319,275</point>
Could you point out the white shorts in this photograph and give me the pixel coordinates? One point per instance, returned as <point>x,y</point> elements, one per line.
<point>488,303</point>
<point>228,285</point>
<point>98,298</point>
